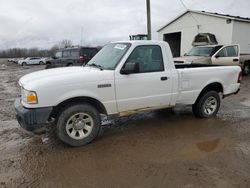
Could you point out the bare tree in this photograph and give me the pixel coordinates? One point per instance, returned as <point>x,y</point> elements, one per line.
<point>65,43</point>
<point>34,52</point>
<point>53,50</point>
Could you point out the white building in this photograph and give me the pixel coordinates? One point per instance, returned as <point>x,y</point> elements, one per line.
<point>228,29</point>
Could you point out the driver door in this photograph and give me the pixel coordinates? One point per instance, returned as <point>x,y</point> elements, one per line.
<point>228,55</point>
<point>150,87</point>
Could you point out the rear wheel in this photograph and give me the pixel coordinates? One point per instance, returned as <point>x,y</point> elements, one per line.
<point>207,105</point>
<point>246,69</point>
<point>69,65</point>
<point>24,64</point>
<point>41,63</point>
<point>48,65</point>
<point>78,124</point>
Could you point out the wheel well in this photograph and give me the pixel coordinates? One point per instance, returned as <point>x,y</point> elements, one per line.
<point>247,62</point>
<point>95,103</point>
<point>211,87</point>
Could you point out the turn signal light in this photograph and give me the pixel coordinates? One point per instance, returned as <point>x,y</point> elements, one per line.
<point>31,99</point>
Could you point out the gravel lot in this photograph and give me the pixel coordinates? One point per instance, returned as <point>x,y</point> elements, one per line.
<point>146,150</point>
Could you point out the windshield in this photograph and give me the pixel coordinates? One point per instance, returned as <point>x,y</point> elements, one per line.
<point>110,55</point>
<point>200,51</point>
<point>58,54</point>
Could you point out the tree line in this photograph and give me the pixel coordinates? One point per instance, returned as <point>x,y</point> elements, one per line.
<point>34,52</point>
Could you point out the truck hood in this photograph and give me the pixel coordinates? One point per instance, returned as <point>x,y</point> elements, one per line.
<point>64,76</point>
<point>190,59</point>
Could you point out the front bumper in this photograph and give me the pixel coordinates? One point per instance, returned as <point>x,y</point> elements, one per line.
<point>32,120</point>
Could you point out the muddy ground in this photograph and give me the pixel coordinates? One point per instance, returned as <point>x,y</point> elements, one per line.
<point>146,150</point>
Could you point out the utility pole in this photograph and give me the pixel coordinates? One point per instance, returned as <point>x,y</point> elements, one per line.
<point>81,35</point>
<point>149,20</point>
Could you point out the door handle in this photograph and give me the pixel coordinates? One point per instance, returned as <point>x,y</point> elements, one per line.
<point>164,78</point>
<point>235,60</point>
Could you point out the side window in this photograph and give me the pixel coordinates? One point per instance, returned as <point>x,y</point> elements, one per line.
<point>222,53</point>
<point>149,58</point>
<point>66,53</point>
<point>88,52</point>
<point>230,51</point>
<point>84,52</point>
<point>93,52</point>
<point>58,54</point>
<point>74,53</point>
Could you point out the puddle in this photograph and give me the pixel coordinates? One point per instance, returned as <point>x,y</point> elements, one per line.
<point>208,146</point>
<point>201,149</point>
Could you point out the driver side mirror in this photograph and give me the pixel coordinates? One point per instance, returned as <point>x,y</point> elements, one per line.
<point>217,56</point>
<point>130,68</point>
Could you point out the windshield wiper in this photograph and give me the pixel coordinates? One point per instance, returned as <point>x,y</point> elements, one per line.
<point>95,65</point>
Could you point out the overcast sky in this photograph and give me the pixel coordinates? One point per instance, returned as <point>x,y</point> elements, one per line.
<point>43,23</point>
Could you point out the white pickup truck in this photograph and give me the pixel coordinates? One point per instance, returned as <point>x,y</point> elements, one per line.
<point>124,77</point>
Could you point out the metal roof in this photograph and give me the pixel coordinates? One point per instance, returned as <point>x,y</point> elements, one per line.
<point>224,16</point>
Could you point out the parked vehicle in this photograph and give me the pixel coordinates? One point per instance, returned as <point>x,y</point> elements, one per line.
<point>32,61</point>
<point>216,55</point>
<point>14,60</point>
<point>203,39</point>
<point>139,37</point>
<point>204,53</point>
<point>124,77</point>
<point>76,56</point>
<point>11,60</point>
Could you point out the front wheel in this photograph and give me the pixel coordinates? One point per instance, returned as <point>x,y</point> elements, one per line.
<point>78,124</point>
<point>207,105</point>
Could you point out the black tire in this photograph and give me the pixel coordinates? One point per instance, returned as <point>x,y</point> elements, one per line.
<point>246,70</point>
<point>65,118</point>
<point>48,66</point>
<point>24,64</point>
<point>199,108</point>
<point>41,63</point>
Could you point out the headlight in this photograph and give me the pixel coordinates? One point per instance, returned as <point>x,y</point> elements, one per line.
<point>29,97</point>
